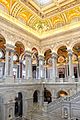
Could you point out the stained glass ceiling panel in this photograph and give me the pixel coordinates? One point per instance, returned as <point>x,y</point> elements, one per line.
<point>43,2</point>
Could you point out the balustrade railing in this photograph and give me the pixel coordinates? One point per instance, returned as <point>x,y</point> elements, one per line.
<point>47,80</point>
<point>74,97</point>
<point>55,104</point>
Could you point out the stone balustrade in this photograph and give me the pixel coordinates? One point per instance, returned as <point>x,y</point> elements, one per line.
<point>69,107</point>
<point>24,80</point>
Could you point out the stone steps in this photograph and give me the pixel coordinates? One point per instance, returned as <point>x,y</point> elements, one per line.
<point>54,109</point>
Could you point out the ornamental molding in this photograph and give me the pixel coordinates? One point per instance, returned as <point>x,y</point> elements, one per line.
<point>17,31</point>
<point>40,23</point>
<point>15,35</point>
<point>69,43</point>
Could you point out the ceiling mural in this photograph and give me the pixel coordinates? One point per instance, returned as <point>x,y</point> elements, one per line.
<point>42,15</point>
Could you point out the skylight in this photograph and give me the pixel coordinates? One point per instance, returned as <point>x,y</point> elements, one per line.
<point>43,2</point>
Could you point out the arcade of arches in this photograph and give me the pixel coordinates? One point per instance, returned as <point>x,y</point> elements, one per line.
<point>24,70</point>
<point>15,61</point>
<point>33,70</point>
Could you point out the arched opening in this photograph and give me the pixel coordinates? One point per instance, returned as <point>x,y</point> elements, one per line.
<point>36,96</point>
<point>19,67</point>
<point>62,62</point>
<point>48,63</point>
<point>19,47</point>
<point>62,94</point>
<point>47,96</point>
<point>2,56</point>
<point>19,105</point>
<point>76,60</point>
<point>34,63</point>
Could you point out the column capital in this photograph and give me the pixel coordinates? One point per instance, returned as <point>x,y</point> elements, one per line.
<point>41,57</point>
<point>54,55</point>
<point>70,52</point>
<point>28,53</point>
<point>21,61</point>
<point>10,47</point>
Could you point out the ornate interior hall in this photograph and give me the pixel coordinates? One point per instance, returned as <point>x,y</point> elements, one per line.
<point>39,59</point>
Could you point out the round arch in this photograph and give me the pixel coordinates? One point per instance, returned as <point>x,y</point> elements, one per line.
<point>59,45</point>
<point>22,41</point>
<point>47,55</point>
<point>62,51</point>
<point>76,48</point>
<point>19,48</point>
<point>2,39</point>
<point>45,49</point>
<point>75,59</point>
<point>74,43</point>
<point>36,96</point>
<point>35,48</point>
<point>62,93</point>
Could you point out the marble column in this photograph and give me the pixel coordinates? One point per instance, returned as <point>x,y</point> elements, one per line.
<point>18,72</point>
<point>45,69</point>
<point>41,67</point>
<point>65,71</point>
<point>28,65</point>
<point>41,100</point>
<point>21,68</point>
<point>6,62</point>
<point>54,66</point>
<point>9,60</point>
<point>71,73</point>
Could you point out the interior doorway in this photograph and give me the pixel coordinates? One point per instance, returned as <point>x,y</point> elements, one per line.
<point>36,96</point>
<point>19,105</point>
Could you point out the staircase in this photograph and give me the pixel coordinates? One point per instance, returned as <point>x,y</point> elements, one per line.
<point>75,98</point>
<point>38,112</point>
<point>54,109</point>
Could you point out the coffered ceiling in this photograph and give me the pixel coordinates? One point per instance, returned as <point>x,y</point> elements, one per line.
<point>42,18</point>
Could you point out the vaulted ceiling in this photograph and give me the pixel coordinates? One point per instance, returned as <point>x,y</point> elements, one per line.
<point>41,17</point>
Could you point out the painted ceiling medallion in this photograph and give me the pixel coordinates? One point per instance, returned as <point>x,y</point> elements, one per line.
<point>61,59</point>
